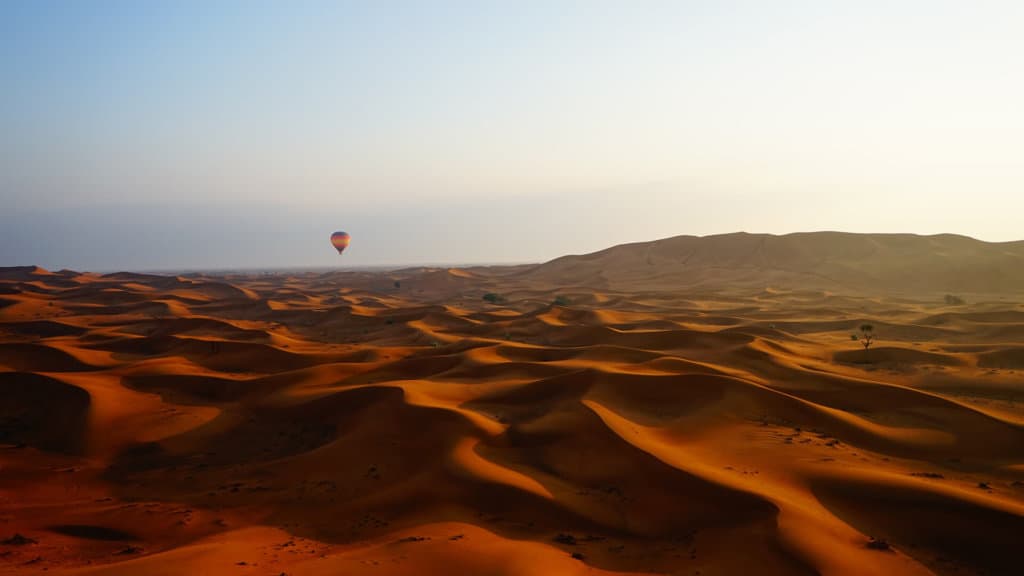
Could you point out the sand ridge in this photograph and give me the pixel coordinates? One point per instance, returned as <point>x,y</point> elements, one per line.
<point>398,423</point>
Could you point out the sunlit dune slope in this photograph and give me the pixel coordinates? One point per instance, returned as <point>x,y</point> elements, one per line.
<point>688,406</point>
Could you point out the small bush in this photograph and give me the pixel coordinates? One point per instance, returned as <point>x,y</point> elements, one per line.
<point>867,335</point>
<point>561,301</point>
<point>493,298</point>
<point>565,539</point>
<point>952,300</point>
<point>874,544</point>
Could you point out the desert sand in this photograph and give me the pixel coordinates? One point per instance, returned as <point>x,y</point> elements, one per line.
<point>688,406</point>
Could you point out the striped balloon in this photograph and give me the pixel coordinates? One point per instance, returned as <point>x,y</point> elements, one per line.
<point>340,241</point>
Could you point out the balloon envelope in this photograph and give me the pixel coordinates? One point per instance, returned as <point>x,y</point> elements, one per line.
<point>340,241</point>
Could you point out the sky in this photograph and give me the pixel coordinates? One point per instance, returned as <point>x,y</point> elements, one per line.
<point>215,134</point>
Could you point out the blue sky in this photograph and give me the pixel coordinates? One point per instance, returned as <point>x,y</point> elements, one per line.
<point>147,135</point>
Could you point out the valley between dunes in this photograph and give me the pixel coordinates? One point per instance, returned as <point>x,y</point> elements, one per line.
<point>675,407</point>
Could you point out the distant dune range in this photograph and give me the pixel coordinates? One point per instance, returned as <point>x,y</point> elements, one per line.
<point>875,262</point>
<point>685,406</point>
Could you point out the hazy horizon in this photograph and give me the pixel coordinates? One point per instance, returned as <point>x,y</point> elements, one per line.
<point>192,135</point>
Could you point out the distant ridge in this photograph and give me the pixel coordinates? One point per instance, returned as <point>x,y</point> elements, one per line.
<point>22,272</point>
<point>820,260</point>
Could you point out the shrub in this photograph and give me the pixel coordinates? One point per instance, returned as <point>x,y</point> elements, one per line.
<point>493,298</point>
<point>867,335</point>
<point>874,544</point>
<point>866,338</point>
<point>561,301</point>
<point>952,300</point>
<point>565,539</point>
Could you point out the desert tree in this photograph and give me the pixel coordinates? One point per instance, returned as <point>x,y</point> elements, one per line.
<point>866,337</point>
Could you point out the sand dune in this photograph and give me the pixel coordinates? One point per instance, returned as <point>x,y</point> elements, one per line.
<point>830,260</point>
<point>687,406</point>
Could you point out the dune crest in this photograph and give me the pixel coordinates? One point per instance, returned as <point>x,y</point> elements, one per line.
<point>870,263</point>
<point>687,406</point>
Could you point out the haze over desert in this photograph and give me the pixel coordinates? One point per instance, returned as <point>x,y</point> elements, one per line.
<point>710,415</point>
<point>492,288</point>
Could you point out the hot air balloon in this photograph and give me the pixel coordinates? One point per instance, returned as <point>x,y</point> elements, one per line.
<point>340,241</point>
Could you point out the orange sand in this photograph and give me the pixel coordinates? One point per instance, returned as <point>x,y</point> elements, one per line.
<point>715,419</point>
